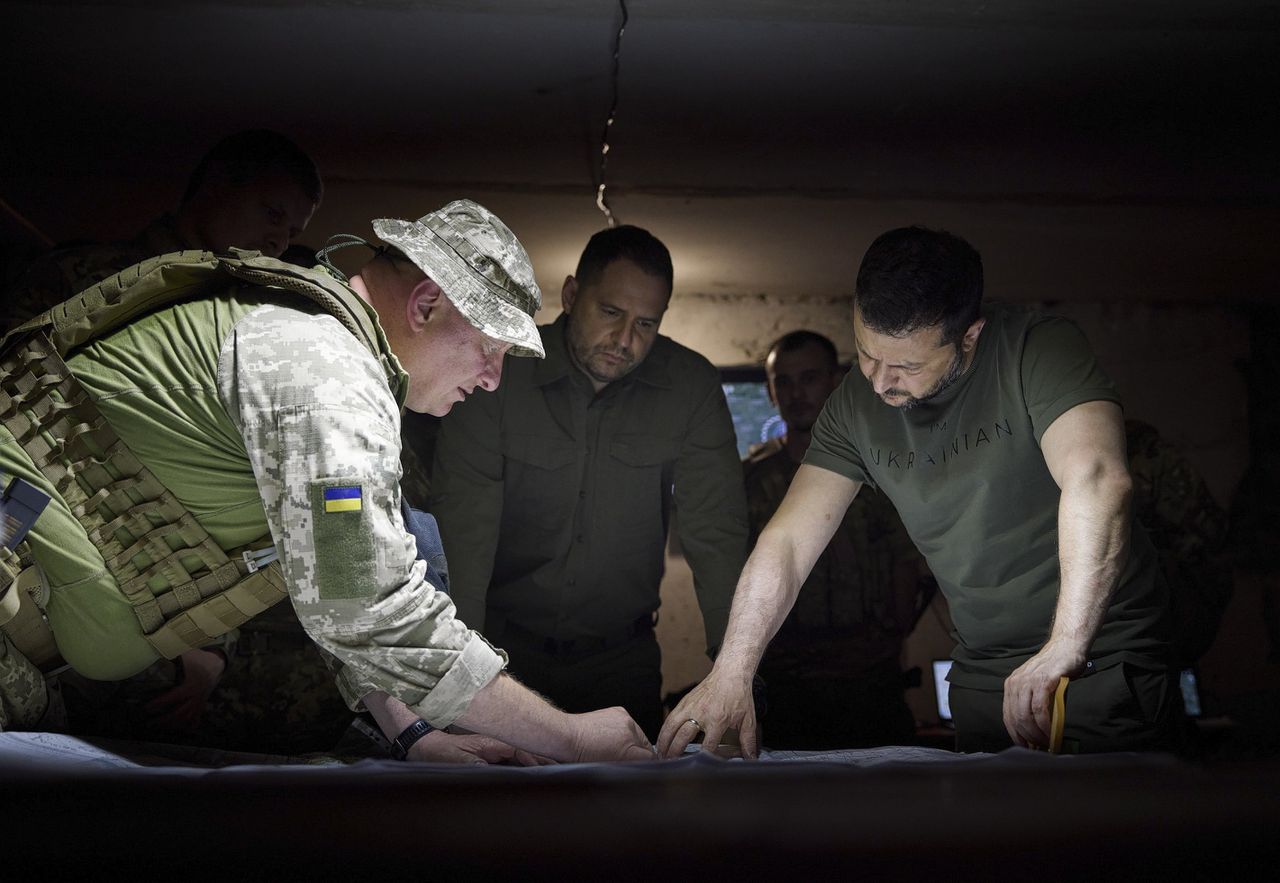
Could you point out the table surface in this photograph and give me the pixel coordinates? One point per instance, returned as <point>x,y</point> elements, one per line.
<point>884,814</point>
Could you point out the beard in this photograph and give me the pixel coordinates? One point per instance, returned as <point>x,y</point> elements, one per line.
<point>948,379</point>
<point>590,360</point>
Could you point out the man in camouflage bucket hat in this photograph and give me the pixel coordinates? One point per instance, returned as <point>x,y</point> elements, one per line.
<point>480,265</point>
<point>277,418</point>
<point>439,243</point>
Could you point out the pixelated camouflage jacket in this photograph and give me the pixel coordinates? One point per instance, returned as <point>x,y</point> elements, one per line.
<point>1189,530</point>
<point>318,424</point>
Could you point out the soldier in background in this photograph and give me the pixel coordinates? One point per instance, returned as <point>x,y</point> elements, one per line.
<point>833,671</point>
<point>255,190</point>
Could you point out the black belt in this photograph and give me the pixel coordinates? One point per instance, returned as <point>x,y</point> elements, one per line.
<point>577,648</point>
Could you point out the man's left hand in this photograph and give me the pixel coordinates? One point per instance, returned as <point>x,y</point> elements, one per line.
<point>1028,693</point>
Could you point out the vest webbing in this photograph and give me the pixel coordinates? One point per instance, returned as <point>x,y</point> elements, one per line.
<point>184,588</point>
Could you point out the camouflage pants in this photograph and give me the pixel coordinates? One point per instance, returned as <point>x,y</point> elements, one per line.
<point>27,702</point>
<point>277,696</point>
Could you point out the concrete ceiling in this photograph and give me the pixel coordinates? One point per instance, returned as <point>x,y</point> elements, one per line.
<point>1029,102</point>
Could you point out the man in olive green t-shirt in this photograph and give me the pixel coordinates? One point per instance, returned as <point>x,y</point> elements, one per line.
<point>1001,444</point>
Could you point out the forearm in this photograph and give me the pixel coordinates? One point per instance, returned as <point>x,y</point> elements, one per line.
<point>507,710</point>
<point>765,594</point>
<point>1093,542</point>
<point>788,547</point>
<point>504,709</point>
<point>391,715</point>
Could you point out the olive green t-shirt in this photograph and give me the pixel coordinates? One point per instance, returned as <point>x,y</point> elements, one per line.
<point>154,381</point>
<point>967,475</point>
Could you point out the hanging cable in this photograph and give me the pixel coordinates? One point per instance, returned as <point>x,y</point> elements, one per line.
<point>602,202</point>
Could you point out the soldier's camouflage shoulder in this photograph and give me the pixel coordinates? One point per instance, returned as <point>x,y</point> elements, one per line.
<point>63,273</point>
<point>1189,531</point>
<point>1170,498</point>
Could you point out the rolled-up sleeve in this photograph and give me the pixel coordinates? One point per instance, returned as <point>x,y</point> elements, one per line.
<point>321,429</point>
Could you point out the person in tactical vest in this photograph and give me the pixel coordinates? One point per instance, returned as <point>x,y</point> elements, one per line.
<point>255,189</point>
<point>203,435</point>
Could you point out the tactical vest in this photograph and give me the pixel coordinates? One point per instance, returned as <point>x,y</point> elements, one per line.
<point>185,590</point>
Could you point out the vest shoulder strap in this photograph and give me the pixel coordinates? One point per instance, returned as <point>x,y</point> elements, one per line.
<point>186,275</point>
<point>184,589</point>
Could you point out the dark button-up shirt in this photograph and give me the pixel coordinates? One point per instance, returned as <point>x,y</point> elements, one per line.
<point>554,501</point>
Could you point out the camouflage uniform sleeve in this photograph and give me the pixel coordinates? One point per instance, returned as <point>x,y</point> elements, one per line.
<point>765,483</point>
<point>1189,531</point>
<point>322,432</point>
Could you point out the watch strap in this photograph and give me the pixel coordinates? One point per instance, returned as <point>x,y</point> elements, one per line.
<point>401,744</point>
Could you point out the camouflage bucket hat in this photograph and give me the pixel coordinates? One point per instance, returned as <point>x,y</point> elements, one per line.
<point>480,266</point>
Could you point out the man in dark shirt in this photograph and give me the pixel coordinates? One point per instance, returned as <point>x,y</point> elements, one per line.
<point>554,493</point>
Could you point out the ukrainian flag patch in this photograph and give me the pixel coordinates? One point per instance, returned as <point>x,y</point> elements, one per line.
<point>344,498</point>
<point>343,546</point>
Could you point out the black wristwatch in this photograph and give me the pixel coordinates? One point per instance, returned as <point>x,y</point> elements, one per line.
<point>412,733</point>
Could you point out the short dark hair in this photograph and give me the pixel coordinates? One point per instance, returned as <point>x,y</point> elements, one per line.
<point>792,341</point>
<point>251,153</point>
<point>914,278</point>
<point>639,246</point>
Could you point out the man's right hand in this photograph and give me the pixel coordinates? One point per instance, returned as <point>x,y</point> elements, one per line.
<point>608,734</point>
<point>721,702</point>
